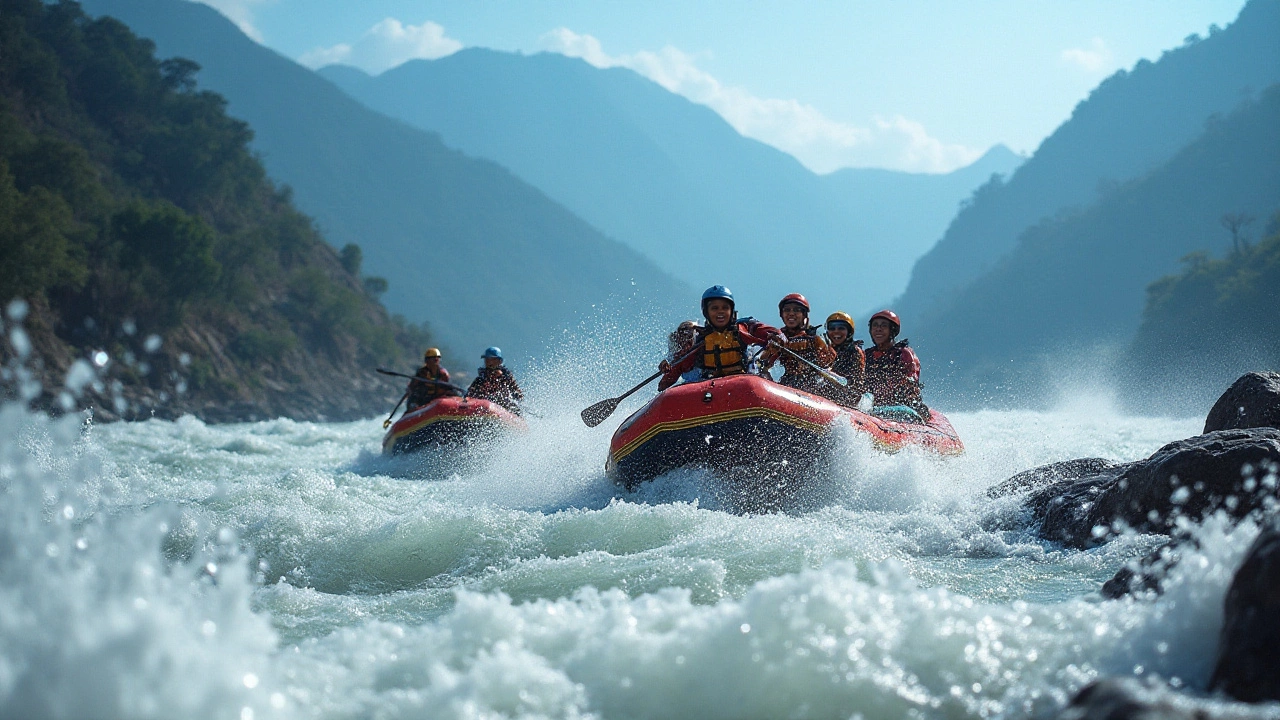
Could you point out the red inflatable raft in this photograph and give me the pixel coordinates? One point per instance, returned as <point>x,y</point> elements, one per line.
<point>745,421</point>
<point>448,421</point>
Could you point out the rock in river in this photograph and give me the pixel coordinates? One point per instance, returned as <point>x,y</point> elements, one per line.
<point>1252,401</point>
<point>1232,470</point>
<point>1248,666</point>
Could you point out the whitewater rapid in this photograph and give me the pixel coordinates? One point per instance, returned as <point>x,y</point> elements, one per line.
<point>286,570</point>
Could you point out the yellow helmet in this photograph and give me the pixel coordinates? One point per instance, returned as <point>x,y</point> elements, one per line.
<point>430,353</point>
<point>840,316</point>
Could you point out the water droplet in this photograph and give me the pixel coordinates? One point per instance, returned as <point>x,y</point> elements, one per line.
<point>246,713</point>
<point>82,544</point>
<point>101,358</point>
<point>745,628</point>
<point>277,700</point>
<point>209,628</point>
<point>139,604</point>
<point>21,344</point>
<point>68,512</point>
<point>250,680</point>
<point>51,550</point>
<point>152,343</point>
<point>211,568</point>
<point>129,327</point>
<point>17,310</point>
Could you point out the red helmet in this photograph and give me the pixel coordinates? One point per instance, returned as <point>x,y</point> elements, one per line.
<point>889,315</point>
<point>796,298</point>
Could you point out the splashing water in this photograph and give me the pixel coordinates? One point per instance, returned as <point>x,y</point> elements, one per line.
<point>285,569</point>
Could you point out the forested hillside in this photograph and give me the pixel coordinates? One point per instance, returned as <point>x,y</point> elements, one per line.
<point>140,231</point>
<point>1129,125</point>
<point>672,179</point>
<point>458,238</point>
<point>1076,284</point>
<point>1210,323</point>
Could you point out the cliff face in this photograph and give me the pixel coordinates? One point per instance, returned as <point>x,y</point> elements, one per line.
<point>148,265</point>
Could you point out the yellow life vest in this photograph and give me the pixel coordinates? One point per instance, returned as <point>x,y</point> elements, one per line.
<point>722,353</point>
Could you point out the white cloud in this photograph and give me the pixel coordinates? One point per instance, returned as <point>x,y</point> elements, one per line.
<point>239,12</point>
<point>386,45</point>
<point>1096,58</point>
<point>802,130</point>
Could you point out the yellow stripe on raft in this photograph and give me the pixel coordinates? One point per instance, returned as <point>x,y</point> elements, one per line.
<point>438,418</point>
<point>673,425</point>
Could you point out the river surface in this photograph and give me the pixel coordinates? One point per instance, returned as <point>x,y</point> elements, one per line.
<point>285,570</point>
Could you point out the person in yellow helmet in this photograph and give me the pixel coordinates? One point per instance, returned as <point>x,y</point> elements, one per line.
<point>850,362</point>
<point>435,382</point>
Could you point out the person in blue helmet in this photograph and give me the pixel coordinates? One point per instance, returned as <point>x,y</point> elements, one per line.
<point>720,348</point>
<point>495,383</point>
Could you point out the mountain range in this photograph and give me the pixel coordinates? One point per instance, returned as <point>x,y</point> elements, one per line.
<point>1074,288</point>
<point>486,258</point>
<point>672,179</point>
<point>1131,124</point>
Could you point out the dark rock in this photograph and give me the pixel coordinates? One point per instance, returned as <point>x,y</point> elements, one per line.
<point>1252,401</point>
<point>1232,470</point>
<point>1131,699</point>
<point>1038,477</point>
<point>1148,573</point>
<point>1248,666</point>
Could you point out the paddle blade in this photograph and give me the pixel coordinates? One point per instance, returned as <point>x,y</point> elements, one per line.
<point>597,413</point>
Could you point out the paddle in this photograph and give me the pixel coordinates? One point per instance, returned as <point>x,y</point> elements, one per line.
<point>387,423</point>
<point>827,374</point>
<point>460,391</point>
<point>597,413</point>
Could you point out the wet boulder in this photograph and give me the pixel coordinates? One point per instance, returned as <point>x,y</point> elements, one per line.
<point>1252,401</point>
<point>1248,666</point>
<point>1053,473</point>
<point>1231,470</point>
<point>1131,699</point>
<point>1147,574</point>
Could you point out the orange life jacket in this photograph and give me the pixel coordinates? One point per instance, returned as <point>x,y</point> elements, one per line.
<point>723,353</point>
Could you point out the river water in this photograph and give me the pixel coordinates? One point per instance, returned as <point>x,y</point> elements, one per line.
<point>284,569</point>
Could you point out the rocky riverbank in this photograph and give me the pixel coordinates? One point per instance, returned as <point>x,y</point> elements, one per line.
<point>1231,469</point>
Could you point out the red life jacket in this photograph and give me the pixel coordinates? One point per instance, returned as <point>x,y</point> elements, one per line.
<point>893,375</point>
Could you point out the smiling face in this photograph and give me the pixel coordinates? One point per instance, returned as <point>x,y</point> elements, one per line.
<point>719,313</point>
<point>793,316</point>
<point>881,332</point>
<point>838,332</point>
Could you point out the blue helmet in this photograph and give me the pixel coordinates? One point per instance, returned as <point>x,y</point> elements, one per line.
<point>493,352</point>
<point>713,292</point>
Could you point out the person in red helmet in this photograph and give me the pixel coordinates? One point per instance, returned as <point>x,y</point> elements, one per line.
<point>722,343</point>
<point>893,370</point>
<point>803,340</point>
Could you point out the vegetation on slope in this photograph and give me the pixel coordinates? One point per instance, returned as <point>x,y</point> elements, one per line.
<point>1207,325</point>
<point>1072,292</point>
<point>134,220</point>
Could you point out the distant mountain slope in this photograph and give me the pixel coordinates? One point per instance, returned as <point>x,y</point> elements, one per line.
<point>482,255</point>
<point>1133,122</point>
<point>1079,281</point>
<point>672,179</point>
<point>1224,311</point>
<point>141,232</point>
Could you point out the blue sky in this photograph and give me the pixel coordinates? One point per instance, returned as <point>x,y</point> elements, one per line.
<point>910,84</point>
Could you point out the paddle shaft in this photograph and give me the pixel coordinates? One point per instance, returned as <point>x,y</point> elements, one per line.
<point>421,379</point>
<point>387,423</point>
<point>597,413</point>
<point>842,382</point>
